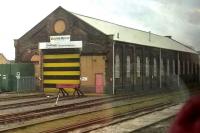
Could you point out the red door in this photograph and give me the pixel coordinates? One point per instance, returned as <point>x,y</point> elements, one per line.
<point>99,83</point>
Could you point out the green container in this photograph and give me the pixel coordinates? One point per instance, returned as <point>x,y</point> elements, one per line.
<point>6,83</point>
<point>24,69</point>
<point>8,73</point>
<point>5,77</point>
<point>5,68</point>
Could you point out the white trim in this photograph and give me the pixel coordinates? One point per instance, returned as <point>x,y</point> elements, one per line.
<point>71,44</point>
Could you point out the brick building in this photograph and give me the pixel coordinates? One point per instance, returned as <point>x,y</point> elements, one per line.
<point>135,59</point>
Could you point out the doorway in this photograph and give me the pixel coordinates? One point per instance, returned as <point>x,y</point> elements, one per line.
<point>99,83</point>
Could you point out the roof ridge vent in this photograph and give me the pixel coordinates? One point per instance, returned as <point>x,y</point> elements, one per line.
<point>170,37</point>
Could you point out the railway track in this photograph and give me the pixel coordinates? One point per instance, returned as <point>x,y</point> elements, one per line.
<point>128,116</point>
<point>4,98</point>
<point>108,119</point>
<point>41,101</point>
<point>28,115</point>
<point>104,120</point>
<point>35,102</point>
<point>4,119</point>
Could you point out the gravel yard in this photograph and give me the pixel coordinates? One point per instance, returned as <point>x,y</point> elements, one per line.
<point>161,127</point>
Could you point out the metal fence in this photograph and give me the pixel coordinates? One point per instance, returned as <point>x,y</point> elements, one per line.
<point>9,83</point>
<point>25,84</point>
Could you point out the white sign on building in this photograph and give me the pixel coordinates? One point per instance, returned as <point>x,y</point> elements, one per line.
<point>72,44</point>
<point>61,40</point>
<point>57,42</point>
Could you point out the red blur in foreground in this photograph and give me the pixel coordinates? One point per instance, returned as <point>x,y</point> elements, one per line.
<point>188,119</point>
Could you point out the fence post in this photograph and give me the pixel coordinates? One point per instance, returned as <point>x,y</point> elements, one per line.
<point>17,85</point>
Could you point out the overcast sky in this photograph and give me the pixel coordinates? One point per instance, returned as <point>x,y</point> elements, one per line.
<point>178,18</point>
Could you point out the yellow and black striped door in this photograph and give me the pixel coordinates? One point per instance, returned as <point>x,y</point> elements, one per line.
<point>60,67</point>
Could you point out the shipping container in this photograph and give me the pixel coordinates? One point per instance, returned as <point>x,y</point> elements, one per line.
<point>10,73</point>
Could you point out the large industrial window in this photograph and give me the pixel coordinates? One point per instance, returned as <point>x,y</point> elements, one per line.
<point>128,67</point>
<point>154,67</point>
<point>191,68</point>
<point>147,67</point>
<point>196,67</point>
<point>167,67</point>
<point>162,67</point>
<point>183,67</point>
<point>188,67</point>
<point>138,66</point>
<point>117,66</point>
<point>179,67</point>
<point>173,65</point>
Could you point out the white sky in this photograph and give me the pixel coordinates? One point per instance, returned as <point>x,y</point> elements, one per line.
<point>174,17</point>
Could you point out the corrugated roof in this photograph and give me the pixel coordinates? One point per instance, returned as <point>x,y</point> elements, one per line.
<point>130,35</point>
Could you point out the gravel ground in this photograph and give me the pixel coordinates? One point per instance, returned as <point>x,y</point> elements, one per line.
<point>161,127</point>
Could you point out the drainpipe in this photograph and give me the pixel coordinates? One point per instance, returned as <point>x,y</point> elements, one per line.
<point>113,89</point>
<point>178,70</point>
<point>199,68</point>
<point>160,69</point>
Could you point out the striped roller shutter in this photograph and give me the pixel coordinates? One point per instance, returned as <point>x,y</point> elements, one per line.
<point>61,66</point>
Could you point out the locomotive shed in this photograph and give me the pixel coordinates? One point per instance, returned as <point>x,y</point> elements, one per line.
<point>135,59</point>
